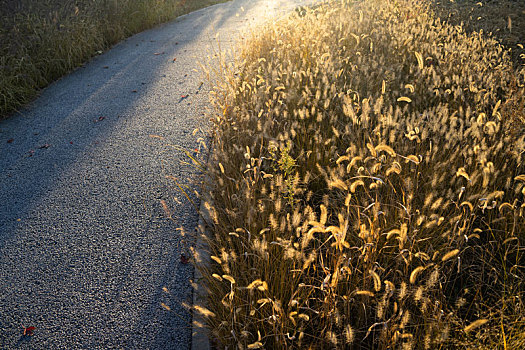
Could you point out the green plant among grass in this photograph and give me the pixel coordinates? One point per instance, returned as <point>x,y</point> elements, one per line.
<point>402,138</point>
<point>42,40</point>
<point>285,165</point>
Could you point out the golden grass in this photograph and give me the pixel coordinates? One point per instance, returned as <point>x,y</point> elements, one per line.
<point>502,19</point>
<point>363,173</point>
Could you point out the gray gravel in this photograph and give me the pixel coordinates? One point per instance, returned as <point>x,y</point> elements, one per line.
<point>87,254</point>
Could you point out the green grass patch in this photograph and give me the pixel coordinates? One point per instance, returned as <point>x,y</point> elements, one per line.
<point>367,185</point>
<point>42,40</point>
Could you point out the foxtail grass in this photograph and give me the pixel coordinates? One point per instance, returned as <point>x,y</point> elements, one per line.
<point>367,185</point>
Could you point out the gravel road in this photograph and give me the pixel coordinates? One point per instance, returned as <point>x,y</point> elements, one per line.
<point>87,254</point>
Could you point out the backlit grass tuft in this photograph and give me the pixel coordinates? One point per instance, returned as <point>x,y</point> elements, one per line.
<point>367,185</point>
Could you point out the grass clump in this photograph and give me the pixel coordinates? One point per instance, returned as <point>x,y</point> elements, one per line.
<point>42,40</point>
<point>367,185</point>
<point>502,19</point>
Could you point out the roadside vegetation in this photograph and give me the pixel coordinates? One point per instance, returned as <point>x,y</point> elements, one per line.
<point>504,20</point>
<point>41,40</point>
<point>367,185</point>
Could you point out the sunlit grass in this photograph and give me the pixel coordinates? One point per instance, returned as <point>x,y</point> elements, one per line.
<point>367,185</point>
<point>503,19</point>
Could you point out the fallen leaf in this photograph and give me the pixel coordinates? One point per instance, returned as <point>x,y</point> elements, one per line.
<point>174,59</point>
<point>156,137</point>
<point>28,331</point>
<point>184,259</point>
<point>133,90</point>
<point>44,146</point>
<point>101,118</point>
<point>10,140</point>
<point>70,142</point>
<point>165,306</point>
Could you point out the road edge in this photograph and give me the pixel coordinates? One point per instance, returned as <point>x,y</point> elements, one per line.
<point>200,338</point>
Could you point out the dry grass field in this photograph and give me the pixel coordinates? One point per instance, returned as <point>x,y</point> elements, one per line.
<point>503,19</point>
<point>367,185</point>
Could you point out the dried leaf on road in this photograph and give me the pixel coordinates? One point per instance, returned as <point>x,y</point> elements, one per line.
<point>28,331</point>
